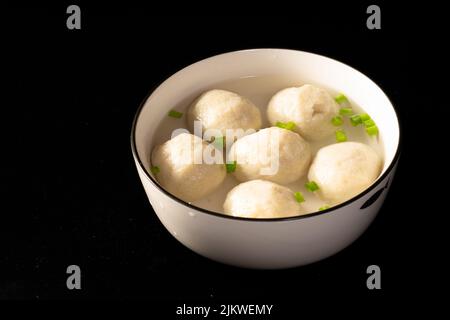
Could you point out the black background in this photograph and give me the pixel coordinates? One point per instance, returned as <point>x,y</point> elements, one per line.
<point>70,187</point>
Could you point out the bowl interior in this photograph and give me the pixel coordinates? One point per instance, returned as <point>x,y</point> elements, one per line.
<point>189,82</point>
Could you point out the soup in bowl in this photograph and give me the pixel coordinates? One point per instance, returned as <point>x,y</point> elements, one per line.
<point>235,212</point>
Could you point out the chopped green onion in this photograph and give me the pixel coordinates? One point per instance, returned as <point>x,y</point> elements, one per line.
<point>311,186</point>
<point>219,142</point>
<point>175,114</point>
<point>324,208</point>
<point>341,136</point>
<point>341,98</point>
<point>372,131</point>
<point>337,121</point>
<point>355,120</point>
<point>299,197</point>
<point>346,111</point>
<point>288,125</point>
<point>231,167</point>
<point>154,169</point>
<point>364,117</point>
<point>369,123</point>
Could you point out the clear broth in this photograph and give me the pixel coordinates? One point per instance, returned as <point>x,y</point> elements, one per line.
<point>259,90</point>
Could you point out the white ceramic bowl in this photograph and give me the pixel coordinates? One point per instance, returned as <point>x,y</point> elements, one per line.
<point>272,243</point>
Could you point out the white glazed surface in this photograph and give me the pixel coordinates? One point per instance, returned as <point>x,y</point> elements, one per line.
<point>253,243</point>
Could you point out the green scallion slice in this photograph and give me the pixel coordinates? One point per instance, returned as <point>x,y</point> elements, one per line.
<point>219,142</point>
<point>355,120</point>
<point>364,117</point>
<point>369,123</point>
<point>345,111</point>
<point>341,99</point>
<point>231,167</point>
<point>175,114</point>
<point>299,197</point>
<point>154,169</point>
<point>311,186</point>
<point>337,121</point>
<point>341,136</point>
<point>288,125</point>
<point>372,131</point>
<point>324,208</point>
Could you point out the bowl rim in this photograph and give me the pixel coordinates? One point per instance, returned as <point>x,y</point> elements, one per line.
<point>223,215</point>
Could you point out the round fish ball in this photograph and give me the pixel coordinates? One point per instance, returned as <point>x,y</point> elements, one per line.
<point>273,154</point>
<point>261,199</point>
<point>221,110</point>
<point>183,170</point>
<point>309,107</point>
<point>343,170</point>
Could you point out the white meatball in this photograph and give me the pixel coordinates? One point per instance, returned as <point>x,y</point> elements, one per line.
<point>221,110</point>
<point>309,107</point>
<point>182,168</point>
<point>343,170</point>
<point>273,154</point>
<point>261,199</point>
